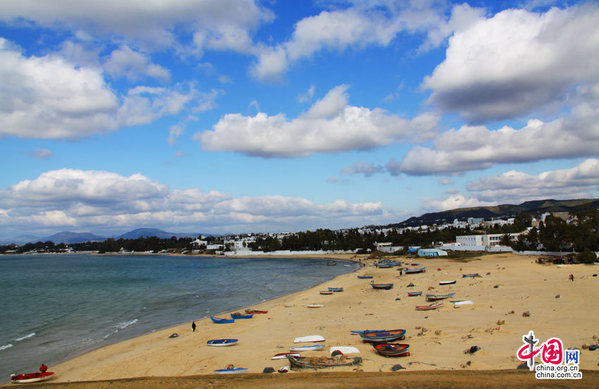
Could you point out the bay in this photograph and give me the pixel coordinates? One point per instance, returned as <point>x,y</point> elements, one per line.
<point>55,307</point>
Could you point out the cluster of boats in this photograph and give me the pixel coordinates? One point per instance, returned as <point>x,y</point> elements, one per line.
<point>383,342</point>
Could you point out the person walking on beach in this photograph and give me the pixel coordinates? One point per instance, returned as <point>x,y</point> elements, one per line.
<point>571,277</point>
<point>193,326</point>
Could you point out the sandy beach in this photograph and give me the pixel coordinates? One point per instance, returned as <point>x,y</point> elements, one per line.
<point>509,286</point>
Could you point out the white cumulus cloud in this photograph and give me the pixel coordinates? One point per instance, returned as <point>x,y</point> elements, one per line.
<point>329,126</point>
<point>93,200</point>
<point>516,62</point>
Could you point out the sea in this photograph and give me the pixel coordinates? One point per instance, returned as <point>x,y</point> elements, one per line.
<point>55,307</point>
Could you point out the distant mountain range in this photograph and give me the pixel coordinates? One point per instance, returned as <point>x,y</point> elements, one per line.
<point>147,232</point>
<point>69,237</point>
<point>535,208</point>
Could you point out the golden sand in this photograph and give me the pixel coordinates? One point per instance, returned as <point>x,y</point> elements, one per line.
<point>510,285</point>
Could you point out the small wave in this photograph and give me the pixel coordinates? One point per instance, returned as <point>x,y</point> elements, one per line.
<point>5,346</point>
<point>125,324</point>
<point>25,337</point>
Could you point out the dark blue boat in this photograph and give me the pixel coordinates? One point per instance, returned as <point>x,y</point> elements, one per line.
<point>386,336</point>
<point>415,271</point>
<point>364,277</point>
<point>382,286</point>
<point>222,342</point>
<point>219,320</point>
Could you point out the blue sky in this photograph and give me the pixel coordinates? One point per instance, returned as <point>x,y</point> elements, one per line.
<point>223,116</point>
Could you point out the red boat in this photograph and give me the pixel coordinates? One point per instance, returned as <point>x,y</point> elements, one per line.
<point>31,377</point>
<point>254,311</point>
<point>392,349</point>
<point>428,307</point>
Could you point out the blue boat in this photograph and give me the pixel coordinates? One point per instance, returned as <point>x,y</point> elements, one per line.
<point>435,297</point>
<point>386,336</point>
<point>219,320</point>
<point>382,286</point>
<point>357,332</point>
<point>415,271</point>
<point>335,289</point>
<point>365,277</point>
<point>222,342</point>
<point>231,370</point>
<point>239,315</point>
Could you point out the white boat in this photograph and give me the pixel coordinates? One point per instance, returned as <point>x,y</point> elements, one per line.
<point>315,305</point>
<point>345,350</point>
<point>299,349</point>
<point>447,282</point>
<point>460,303</point>
<point>309,338</point>
<point>284,355</point>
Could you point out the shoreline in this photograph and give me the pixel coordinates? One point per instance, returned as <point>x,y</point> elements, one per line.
<point>336,257</point>
<point>155,354</point>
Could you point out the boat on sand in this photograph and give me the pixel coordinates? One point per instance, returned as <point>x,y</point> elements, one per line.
<point>221,342</point>
<point>28,378</point>
<point>428,307</point>
<point>382,286</point>
<point>322,362</point>
<point>383,336</point>
<point>392,349</point>
<point>220,320</point>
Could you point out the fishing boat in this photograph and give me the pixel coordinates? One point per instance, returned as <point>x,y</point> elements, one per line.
<point>383,336</point>
<point>414,294</point>
<point>326,292</point>
<point>344,350</point>
<point>299,349</point>
<point>315,305</point>
<point>428,307</point>
<point>28,378</point>
<point>447,282</point>
<point>415,271</point>
<point>309,338</point>
<point>382,286</point>
<point>358,332</point>
<point>220,320</point>
<point>231,370</point>
<point>435,297</point>
<point>471,275</point>
<point>222,342</point>
<point>284,355</point>
<point>335,289</point>
<point>392,349</point>
<point>254,312</point>
<point>321,362</point>
<point>331,263</point>
<point>459,303</point>
<point>239,315</point>
<point>365,277</point>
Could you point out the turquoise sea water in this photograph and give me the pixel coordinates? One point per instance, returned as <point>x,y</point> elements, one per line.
<point>55,307</point>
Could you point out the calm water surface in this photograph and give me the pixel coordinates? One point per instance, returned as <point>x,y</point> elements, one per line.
<point>55,307</point>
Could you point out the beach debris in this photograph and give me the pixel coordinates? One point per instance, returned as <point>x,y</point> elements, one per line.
<point>472,350</point>
<point>283,369</point>
<point>465,365</point>
<point>557,296</point>
<point>397,367</point>
<point>593,347</point>
<point>431,287</point>
<point>522,366</point>
<point>268,370</point>
<point>500,322</point>
<point>585,346</point>
<point>410,285</point>
<point>397,299</point>
<point>174,335</point>
<point>496,286</point>
<point>526,314</point>
<point>510,312</point>
<point>438,332</point>
<point>488,273</point>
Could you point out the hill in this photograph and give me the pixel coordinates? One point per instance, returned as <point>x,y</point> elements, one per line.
<point>71,237</point>
<point>148,232</point>
<point>535,208</point>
